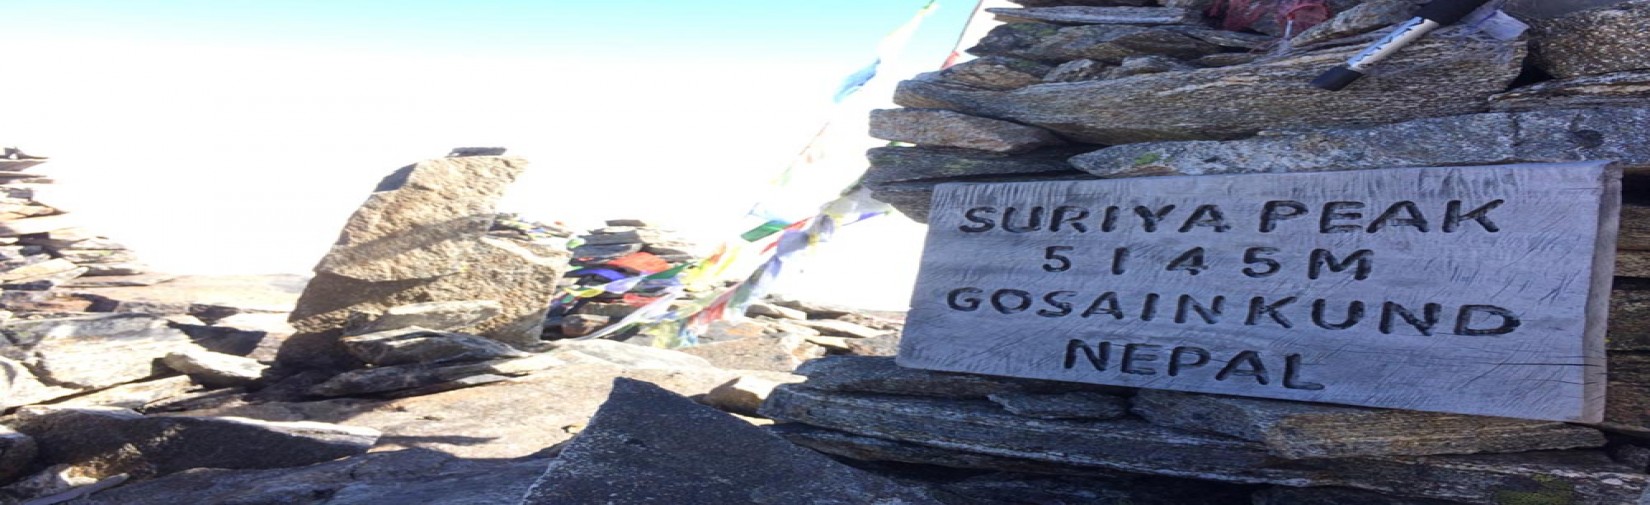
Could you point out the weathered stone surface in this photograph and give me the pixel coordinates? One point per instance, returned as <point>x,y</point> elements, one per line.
<point>945,128</point>
<point>1437,76</point>
<point>453,315</point>
<point>626,456</point>
<point>392,378</point>
<point>606,252</point>
<point>419,345</point>
<point>542,410</point>
<point>1087,15</point>
<point>1635,264</point>
<point>1621,89</point>
<point>996,72</point>
<point>903,164</point>
<point>1077,70</point>
<point>135,396</point>
<point>1334,496</point>
<point>626,355</point>
<point>1365,17</point>
<point>1472,139</point>
<point>1148,64</point>
<point>409,476</point>
<point>1627,395</point>
<point>578,325</point>
<point>215,369</point>
<point>839,328</point>
<point>1073,405</point>
<point>109,441</point>
<point>422,220</point>
<point>522,280</point>
<point>1594,41</point>
<point>1629,316</point>
<point>1297,430</point>
<point>16,453</point>
<point>1547,9</point>
<point>1108,44</point>
<point>781,353</point>
<point>97,351</point>
<point>860,374</point>
<point>19,386</point>
<point>976,434</point>
<point>1120,489</point>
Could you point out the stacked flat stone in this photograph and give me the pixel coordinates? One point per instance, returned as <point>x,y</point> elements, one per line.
<point>1074,89</point>
<point>42,247</point>
<point>619,239</point>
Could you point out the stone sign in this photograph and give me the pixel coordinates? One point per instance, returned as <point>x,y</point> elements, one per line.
<point>1474,290</point>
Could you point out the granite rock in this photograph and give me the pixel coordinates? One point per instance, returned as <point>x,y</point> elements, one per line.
<point>215,369</point>
<point>94,352</point>
<point>1108,44</point>
<point>1620,89</point>
<point>1073,405</point>
<point>392,378</point>
<point>996,72</point>
<point>1594,41</point>
<point>1077,70</point>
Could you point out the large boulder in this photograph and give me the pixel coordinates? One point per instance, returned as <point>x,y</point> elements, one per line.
<point>421,237</point>
<point>1437,76</point>
<point>627,455</point>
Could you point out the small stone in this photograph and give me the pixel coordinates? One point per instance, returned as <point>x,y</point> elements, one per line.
<point>950,129</point>
<point>578,325</point>
<point>1084,15</point>
<point>996,72</point>
<point>215,369</point>
<point>625,443</point>
<point>743,395</point>
<point>108,441</point>
<point>837,328</point>
<point>1594,41</point>
<point>419,345</point>
<point>634,223</point>
<point>1077,70</point>
<point>1073,405</point>
<point>1298,430</point>
<point>451,315</point>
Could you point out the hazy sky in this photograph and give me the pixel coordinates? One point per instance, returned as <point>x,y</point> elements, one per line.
<point>236,136</point>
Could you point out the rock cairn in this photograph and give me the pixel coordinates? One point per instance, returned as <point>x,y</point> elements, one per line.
<point>43,248</point>
<point>1102,89</point>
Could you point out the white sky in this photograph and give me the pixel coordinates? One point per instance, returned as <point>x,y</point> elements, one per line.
<point>248,159</point>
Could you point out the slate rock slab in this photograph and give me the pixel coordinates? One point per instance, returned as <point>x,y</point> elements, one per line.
<point>1471,139</point>
<point>1441,75</point>
<point>411,345</point>
<point>451,315</point>
<point>95,352</point>
<point>1620,89</point>
<point>1073,405</point>
<point>215,369</point>
<point>627,455</point>
<point>1109,44</point>
<point>417,375</point>
<point>109,441</point>
<point>877,374</point>
<point>407,476</point>
<point>945,128</point>
<point>996,72</point>
<point>1297,430</point>
<point>420,222</point>
<point>1594,41</point>
<point>967,433</point>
